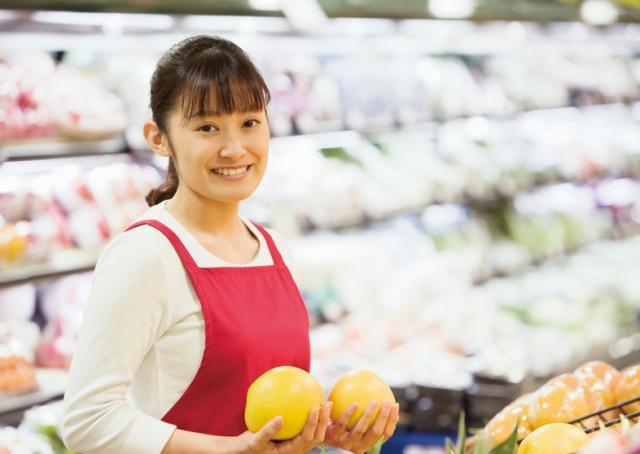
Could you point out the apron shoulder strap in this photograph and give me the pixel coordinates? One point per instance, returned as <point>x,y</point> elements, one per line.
<point>273,250</point>
<point>181,250</point>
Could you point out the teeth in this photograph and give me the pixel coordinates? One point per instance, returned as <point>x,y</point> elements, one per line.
<point>230,172</point>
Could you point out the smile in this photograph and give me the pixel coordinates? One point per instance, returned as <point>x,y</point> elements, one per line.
<point>232,172</point>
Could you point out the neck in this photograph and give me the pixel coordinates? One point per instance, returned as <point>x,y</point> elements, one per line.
<point>202,215</point>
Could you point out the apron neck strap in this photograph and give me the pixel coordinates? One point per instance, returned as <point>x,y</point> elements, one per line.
<point>273,250</point>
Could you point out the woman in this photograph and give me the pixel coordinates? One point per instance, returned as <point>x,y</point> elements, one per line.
<point>193,302</point>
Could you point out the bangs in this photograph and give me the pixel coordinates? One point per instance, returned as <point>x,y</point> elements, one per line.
<point>216,84</point>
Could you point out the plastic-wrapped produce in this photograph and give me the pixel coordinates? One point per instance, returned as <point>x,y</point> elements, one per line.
<point>303,96</point>
<point>62,305</point>
<point>17,373</point>
<point>81,108</point>
<point>367,101</point>
<point>18,302</point>
<point>42,100</point>
<point>452,90</point>
<point>23,87</point>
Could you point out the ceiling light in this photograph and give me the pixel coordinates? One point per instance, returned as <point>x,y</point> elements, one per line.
<point>451,9</point>
<point>599,12</point>
<point>265,5</point>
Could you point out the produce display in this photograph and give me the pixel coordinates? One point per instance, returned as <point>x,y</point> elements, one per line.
<point>541,419</point>
<point>40,99</point>
<point>71,206</point>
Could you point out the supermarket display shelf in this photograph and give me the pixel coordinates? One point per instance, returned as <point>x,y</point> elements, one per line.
<point>52,384</point>
<point>64,263</point>
<point>43,149</point>
<point>539,261</point>
<point>334,138</point>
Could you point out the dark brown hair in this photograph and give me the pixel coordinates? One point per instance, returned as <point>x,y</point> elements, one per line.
<point>202,75</point>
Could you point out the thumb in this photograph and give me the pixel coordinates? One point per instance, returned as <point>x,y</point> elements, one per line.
<point>269,430</point>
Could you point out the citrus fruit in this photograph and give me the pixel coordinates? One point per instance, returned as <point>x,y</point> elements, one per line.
<point>556,438</point>
<point>629,387</point>
<point>502,424</point>
<point>599,381</point>
<point>567,379</point>
<point>358,387</point>
<point>283,391</point>
<point>557,402</point>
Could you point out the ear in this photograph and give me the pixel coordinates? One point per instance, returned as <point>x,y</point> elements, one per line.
<point>155,139</point>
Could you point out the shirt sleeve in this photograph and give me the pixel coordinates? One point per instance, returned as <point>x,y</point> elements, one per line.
<point>126,313</point>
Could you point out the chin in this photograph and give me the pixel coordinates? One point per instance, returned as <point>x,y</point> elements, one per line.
<point>233,197</point>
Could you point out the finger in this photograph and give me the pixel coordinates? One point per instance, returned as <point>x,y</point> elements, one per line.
<point>323,422</point>
<point>339,428</point>
<point>374,433</point>
<point>310,427</point>
<point>269,431</point>
<point>361,427</point>
<point>378,426</point>
<point>392,422</point>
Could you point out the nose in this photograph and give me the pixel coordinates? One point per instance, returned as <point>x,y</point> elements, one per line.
<point>232,147</point>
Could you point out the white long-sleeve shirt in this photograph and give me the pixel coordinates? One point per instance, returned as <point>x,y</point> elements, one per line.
<point>142,339</point>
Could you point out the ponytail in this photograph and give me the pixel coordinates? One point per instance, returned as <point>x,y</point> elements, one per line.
<point>167,189</point>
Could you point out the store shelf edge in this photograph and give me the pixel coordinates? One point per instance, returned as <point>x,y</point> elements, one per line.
<point>46,270</point>
<point>42,149</point>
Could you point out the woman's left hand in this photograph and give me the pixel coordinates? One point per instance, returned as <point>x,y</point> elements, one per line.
<point>360,439</point>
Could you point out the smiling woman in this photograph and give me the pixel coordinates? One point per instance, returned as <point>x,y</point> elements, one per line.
<point>198,84</point>
<point>193,302</point>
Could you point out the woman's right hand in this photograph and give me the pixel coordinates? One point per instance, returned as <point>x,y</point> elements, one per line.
<point>312,435</point>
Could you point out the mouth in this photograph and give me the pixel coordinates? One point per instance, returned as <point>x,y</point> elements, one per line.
<point>232,173</point>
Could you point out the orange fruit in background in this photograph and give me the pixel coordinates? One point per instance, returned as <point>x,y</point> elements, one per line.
<point>569,380</point>
<point>557,402</point>
<point>502,424</point>
<point>629,387</point>
<point>604,372</point>
<point>556,438</point>
<point>283,391</point>
<point>599,381</point>
<point>358,387</point>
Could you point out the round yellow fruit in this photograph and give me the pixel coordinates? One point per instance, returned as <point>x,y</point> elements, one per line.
<point>283,391</point>
<point>556,438</point>
<point>358,387</point>
<point>502,424</point>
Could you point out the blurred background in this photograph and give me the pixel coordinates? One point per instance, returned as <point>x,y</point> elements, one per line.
<point>459,182</point>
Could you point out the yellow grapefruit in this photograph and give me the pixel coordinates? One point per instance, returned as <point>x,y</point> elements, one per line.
<point>556,438</point>
<point>283,391</point>
<point>358,387</point>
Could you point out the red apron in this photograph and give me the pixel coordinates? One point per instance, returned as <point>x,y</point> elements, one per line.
<point>254,319</point>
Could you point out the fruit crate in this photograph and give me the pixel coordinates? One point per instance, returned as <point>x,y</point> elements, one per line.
<point>604,421</point>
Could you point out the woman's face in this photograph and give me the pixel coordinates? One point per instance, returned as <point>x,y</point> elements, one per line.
<point>220,156</point>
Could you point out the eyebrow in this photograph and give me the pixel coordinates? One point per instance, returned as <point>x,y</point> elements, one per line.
<point>218,114</point>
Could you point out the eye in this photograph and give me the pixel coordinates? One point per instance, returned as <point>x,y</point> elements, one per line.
<point>251,123</point>
<point>207,128</point>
